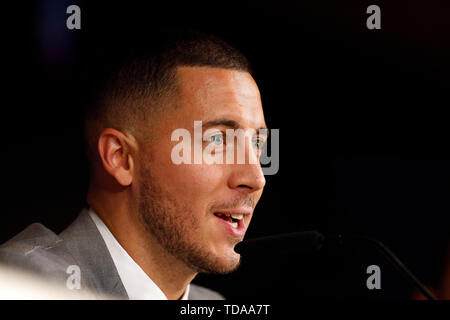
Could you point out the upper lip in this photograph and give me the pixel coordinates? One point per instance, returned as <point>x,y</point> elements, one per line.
<point>235,211</point>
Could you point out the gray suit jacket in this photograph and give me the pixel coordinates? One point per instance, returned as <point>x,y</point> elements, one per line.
<point>42,252</point>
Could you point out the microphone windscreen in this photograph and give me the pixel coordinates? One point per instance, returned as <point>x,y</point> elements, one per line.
<point>298,242</point>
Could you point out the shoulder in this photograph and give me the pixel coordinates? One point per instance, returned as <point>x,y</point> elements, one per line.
<point>34,235</point>
<point>197,292</point>
<point>36,249</point>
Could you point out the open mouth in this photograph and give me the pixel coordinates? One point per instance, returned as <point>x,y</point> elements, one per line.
<point>232,219</point>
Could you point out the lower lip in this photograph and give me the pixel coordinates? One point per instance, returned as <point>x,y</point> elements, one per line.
<point>237,232</point>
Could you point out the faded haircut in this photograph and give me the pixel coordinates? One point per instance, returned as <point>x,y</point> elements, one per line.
<point>144,80</point>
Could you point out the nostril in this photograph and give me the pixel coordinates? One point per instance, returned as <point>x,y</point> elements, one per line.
<point>244,186</point>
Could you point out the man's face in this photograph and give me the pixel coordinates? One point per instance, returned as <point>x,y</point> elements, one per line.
<point>183,206</point>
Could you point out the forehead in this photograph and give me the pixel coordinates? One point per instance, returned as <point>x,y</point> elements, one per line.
<point>207,92</point>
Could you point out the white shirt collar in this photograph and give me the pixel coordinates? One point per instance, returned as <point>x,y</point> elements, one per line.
<point>137,283</point>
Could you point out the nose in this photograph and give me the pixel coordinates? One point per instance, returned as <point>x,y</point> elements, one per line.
<point>247,176</point>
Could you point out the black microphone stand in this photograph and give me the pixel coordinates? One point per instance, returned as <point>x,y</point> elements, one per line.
<point>309,241</point>
<point>392,258</point>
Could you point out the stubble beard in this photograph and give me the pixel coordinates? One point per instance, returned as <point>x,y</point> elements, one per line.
<point>175,228</point>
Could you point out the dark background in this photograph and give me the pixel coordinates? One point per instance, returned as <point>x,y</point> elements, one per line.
<point>362,119</point>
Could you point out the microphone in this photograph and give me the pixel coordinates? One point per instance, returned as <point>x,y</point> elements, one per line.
<point>313,241</point>
<point>300,242</point>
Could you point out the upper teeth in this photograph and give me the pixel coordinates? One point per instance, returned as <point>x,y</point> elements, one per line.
<point>237,216</point>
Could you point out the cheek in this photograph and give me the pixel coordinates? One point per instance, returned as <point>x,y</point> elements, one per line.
<point>189,181</point>
<point>196,186</point>
<point>197,181</point>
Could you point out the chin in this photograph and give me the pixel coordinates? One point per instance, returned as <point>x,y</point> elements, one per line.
<point>226,262</point>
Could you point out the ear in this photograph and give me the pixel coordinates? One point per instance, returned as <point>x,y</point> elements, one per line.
<point>114,149</point>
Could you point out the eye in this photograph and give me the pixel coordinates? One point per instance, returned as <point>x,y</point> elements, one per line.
<point>217,139</point>
<point>259,143</point>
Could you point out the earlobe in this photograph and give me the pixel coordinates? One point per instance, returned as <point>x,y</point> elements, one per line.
<point>115,156</point>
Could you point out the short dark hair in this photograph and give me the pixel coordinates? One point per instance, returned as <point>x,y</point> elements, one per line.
<point>142,79</point>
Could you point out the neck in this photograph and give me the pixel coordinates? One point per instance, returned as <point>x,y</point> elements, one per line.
<point>170,274</point>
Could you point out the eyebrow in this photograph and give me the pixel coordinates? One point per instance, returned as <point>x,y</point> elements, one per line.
<point>226,123</point>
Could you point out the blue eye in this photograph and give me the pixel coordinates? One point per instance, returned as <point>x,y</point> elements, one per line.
<point>258,143</point>
<point>217,139</point>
